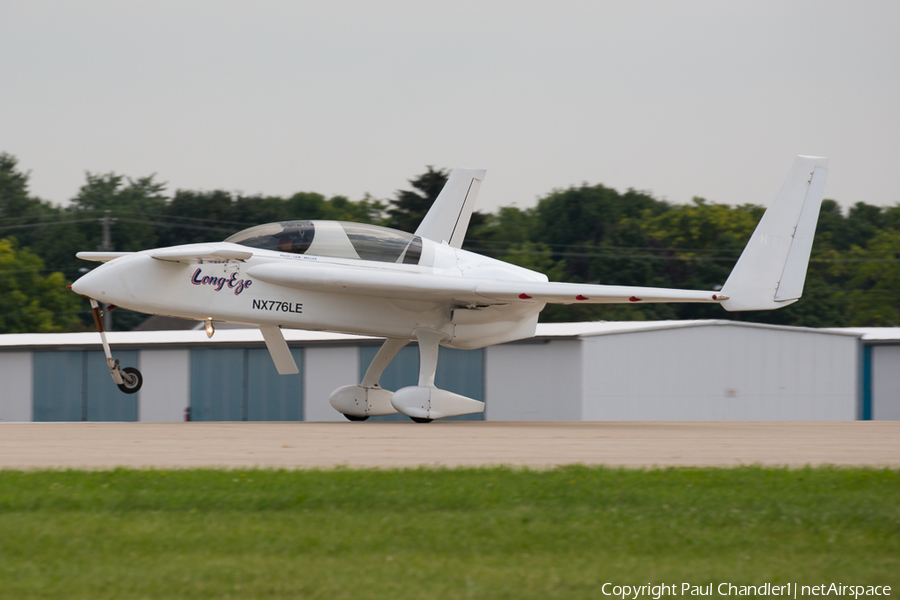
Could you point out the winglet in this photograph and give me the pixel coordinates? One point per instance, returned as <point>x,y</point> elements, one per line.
<point>448,218</point>
<point>772,269</point>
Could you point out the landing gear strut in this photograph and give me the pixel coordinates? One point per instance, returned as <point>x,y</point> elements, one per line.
<point>129,379</point>
<point>424,402</point>
<point>368,399</point>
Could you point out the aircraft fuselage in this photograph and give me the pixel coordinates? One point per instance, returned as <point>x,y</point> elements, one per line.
<point>226,291</point>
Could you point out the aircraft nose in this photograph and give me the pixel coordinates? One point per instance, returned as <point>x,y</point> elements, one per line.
<point>93,284</point>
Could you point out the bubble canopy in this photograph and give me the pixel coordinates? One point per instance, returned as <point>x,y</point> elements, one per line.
<point>335,239</point>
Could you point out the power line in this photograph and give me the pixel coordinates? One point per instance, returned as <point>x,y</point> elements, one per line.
<point>45,223</point>
<point>734,252</point>
<point>180,225</point>
<point>183,218</point>
<point>156,223</point>
<point>611,255</point>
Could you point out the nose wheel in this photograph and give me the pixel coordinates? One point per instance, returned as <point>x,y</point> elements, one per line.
<point>132,380</point>
<point>129,379</point>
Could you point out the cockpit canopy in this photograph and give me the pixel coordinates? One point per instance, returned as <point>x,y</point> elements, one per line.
<point>336,239</point>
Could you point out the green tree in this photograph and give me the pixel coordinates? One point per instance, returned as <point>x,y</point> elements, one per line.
<point>410,206</point>
<point>536,257</point>
<point>874,287</point>
<point>307,205</point>
<point>133,204</point>
<point>589,233</point>
<point>701,241</point>
<point>194,217</point>
<point>590,222</point>
<point>20,214</point>
<point>33,301</point>
<point>14,199</point>
<point>496,232</point>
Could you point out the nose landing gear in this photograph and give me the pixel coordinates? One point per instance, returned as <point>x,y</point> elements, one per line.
<point>129,379</point>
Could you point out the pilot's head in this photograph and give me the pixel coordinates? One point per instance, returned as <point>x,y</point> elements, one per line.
<point>287,240</point>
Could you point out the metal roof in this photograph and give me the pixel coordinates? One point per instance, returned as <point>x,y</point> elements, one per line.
<point>873,334</point>
<point>590,329</point>
<point>251,335</point>
<point>152,338</point>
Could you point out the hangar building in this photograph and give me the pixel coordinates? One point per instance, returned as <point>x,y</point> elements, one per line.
<point>663,370</point>
<point>880,373</point>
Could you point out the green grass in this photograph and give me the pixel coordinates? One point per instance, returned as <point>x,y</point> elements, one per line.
<point>463,533</point>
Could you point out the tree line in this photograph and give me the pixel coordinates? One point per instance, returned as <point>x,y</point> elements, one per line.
<point>586,234</point>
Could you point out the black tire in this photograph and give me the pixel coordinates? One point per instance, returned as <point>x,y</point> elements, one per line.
<point>421,420</point>
<point>354,417</point>
<point>132,380</point>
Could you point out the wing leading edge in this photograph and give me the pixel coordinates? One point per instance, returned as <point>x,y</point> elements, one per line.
<point>462,290</point>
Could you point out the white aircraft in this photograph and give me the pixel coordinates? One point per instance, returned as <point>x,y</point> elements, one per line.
<point>369,280</point>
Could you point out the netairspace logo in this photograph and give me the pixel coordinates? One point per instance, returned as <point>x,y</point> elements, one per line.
<point>790,590</point>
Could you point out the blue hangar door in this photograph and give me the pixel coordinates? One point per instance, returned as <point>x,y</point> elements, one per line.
<point>75,385</point>
<point>458,371</point>
<point>241,384</point>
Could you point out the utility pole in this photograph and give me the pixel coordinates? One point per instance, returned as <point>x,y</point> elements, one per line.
<point>106,246</point>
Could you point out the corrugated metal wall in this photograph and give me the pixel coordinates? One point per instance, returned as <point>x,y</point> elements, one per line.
<point>327,368</point>
<point>75,385</point>
<point>16,384</point>
<point>166,394</point>
<point>534,381</point>
<point>713,371</point>
<point>241,384</point>
<point>884,382</point>
<point>721,372</point>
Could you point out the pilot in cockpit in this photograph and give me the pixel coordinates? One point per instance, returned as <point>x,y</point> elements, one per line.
<point>295,237</point>
<point>289,241</point>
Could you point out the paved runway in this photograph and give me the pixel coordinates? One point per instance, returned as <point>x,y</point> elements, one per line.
<point>395,444</point>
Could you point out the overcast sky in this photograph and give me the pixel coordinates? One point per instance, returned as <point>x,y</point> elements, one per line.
<point>680,99</point>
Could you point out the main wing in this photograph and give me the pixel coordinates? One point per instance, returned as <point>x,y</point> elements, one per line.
<point>461,290</point>
<point>573,293</point>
